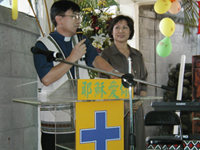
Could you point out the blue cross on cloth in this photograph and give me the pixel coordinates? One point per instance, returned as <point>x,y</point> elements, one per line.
<point>100,134</point>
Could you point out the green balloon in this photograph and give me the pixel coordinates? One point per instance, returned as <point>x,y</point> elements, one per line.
<point>164,47</point>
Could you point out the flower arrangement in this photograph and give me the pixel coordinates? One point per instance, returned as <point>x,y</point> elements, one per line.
<point>95,25</point>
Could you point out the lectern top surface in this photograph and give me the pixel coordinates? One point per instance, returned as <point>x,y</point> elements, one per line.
<point>67,93</point>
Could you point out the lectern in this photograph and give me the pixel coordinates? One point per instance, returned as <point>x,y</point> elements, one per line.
<point>95,108</point>
<point>99,123</point>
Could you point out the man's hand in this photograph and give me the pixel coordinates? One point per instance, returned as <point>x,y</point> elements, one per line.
<point>78,51</point>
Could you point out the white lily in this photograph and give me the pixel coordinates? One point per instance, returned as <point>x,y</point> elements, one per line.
<point>108,38</point>
<point>88,28</point>
<point>103,18</point>
<point>98,40</point>
<point>97,45</point>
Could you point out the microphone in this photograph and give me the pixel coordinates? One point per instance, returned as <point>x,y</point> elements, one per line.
<point>127,80</point>
<point>79,33</point>
<point>51,55</point>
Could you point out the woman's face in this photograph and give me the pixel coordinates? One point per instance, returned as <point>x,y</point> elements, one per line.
<point>121,31</point>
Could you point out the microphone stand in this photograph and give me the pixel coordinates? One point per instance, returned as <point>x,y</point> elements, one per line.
<point>114,74</point>
<point>132,136</point>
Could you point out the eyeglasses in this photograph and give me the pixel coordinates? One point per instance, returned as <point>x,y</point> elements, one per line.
<point>74,17</point>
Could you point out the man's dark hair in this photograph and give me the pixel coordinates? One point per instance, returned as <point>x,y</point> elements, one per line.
<point>60,7</point>
<point>119,18</point>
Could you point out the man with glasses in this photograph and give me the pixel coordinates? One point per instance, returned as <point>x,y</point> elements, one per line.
<point>65,16</point>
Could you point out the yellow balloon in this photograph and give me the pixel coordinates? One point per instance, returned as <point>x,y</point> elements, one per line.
<point>14,9</point>
<point>162,6</point>
<point>167,27</point>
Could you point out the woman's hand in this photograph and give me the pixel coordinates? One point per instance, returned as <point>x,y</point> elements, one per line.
<point>116,72</point>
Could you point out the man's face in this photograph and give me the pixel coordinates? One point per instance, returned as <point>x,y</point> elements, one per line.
<point>69,22</point>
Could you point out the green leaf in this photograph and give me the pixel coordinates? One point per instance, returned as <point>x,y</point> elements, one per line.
<point>191,15</point>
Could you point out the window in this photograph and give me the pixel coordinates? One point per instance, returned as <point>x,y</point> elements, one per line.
<point>23,6</point>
